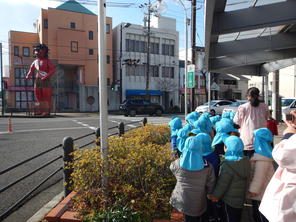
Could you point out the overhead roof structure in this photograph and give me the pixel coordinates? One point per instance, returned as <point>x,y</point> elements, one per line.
<point>249,37</point>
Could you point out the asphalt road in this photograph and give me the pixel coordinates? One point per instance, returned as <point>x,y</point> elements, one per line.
<point>32,136</point>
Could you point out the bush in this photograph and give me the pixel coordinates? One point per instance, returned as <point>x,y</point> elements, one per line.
<point>138,175</point>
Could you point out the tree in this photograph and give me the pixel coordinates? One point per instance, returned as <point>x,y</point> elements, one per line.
<point>166,85</point>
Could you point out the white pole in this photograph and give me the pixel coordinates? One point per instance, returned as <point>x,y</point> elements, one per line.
<point>209,90</point>
<point>103,86</point>
<point>186,61</point>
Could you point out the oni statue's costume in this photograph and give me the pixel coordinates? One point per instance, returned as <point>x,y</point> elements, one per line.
<point>43,69</point>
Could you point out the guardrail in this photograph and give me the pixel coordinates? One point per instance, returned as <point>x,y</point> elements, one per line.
<point>68,147</point>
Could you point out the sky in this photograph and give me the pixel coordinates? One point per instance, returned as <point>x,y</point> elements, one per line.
<point>20,15</point>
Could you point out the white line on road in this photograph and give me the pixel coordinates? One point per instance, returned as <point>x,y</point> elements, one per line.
<point>84,124</point>
<point>132,126</point>
<point>33,130</point>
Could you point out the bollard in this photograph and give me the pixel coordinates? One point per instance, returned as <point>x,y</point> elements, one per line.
<point>9,125</point>
<point>120,129</point>
<point>144,121</point>
<point>97,133</point>
<point>68,147</point>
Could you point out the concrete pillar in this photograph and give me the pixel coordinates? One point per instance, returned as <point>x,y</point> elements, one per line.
<point>276,107</point>
<point>266,97</point>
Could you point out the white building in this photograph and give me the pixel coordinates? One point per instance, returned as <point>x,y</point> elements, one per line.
<point>287,82</point>
<point>164,61</point>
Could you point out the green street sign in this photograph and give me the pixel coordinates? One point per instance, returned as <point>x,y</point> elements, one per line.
<point>191,76</point>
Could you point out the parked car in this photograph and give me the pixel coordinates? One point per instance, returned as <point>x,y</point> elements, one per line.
<point>288,104</point>
<point>234,106</point>
<point>216,106</point>
<point>133,107</point>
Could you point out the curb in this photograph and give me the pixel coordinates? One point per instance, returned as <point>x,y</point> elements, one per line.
<point>40,214</point>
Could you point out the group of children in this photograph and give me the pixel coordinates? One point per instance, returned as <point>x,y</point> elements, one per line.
<point>214,177</point>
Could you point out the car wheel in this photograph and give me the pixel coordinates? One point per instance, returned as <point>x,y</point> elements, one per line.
<point>158,112</point>
<point>132,113</point>
<point>213,112</point>
<point>125,114</point>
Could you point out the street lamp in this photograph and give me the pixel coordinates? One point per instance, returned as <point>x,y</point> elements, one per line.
<point>122,26</point>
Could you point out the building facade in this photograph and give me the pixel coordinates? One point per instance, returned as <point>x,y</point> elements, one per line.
<point>130,56</point>
<point>71,33</point>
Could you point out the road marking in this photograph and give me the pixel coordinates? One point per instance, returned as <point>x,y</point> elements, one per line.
<point>84,124</point>
<point>132,126</point>
<point>33,130</point>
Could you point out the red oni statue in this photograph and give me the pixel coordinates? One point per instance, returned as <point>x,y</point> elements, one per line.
<point>43,70</point>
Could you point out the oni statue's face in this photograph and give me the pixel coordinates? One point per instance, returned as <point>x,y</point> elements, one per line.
<point>40,53</point>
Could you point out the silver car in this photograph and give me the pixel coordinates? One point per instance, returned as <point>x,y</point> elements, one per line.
<point>234,106</point>
<point>216,105</point>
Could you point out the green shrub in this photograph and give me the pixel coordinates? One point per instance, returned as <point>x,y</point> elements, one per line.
<point>138,176</point>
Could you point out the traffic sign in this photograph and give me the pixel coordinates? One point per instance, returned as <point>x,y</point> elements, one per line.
<point>191,76</point>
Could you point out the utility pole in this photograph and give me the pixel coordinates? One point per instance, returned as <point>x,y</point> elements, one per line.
<point>2,81</point>
<point>103,89</point>
<point>193,43</point>
<point>148,52</point>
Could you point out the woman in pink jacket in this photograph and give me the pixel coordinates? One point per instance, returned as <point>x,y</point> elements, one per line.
<point>251,116</point>
<point>280,194</point>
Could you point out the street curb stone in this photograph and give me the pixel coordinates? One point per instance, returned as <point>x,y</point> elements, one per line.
<point>40,214</point>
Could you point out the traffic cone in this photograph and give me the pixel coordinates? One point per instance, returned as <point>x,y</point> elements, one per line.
<point>9,125</point>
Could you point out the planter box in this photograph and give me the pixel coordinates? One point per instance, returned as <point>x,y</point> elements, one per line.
<point>61,214</point>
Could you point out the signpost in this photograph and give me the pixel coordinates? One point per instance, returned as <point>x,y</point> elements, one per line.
<point>191,76</point>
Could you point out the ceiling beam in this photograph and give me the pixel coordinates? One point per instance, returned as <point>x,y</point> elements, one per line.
<point>271,43</point>
<point>253,70</point>
<point>277,65</point>
<point>251,58</point>
<point>271,15</point>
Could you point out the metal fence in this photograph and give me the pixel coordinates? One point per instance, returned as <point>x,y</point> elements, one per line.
<point>68,147</point>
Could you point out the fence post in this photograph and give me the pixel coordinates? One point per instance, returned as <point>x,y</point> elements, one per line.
<point>144,121</point>
<point>120,129</point>
<point>97,133</point>
<point>68,147</point>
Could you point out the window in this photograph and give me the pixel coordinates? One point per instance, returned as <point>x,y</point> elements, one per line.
<point>136,46</point>
<point>130,70</point>
<point>168,50</point>
<point>108,81</point>
<point>72,25</point>
<point>16,51</point>
<point>90,51</point>
<point>19,75</point>
<point>168,72</point>
<point>26,51</point>
<point>108,59</point>
<point>45,23</point>
<point>74,46</point>
<point>21,99</point>
<point>90,35</point>
<point>140,70</point>
<point>154,71</point>
<point>108,28</point>
<point>154,48</point>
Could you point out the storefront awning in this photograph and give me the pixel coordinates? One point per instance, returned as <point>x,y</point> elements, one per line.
<point>141,92</point>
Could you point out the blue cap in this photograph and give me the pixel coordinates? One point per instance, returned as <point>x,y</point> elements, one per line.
<point>262,142</point>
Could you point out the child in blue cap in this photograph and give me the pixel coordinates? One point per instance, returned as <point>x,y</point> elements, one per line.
<point>224,128</point>
<point>192,117</point>
<point>195,179</point>
<point>233,180</point>
<point>204,124</point>
<point>262,170</point>
<point>175,125</point>
<point>182,135</point>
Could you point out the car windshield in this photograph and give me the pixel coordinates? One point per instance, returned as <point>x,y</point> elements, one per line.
<point>287,102</point>
<point>212,103</point>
